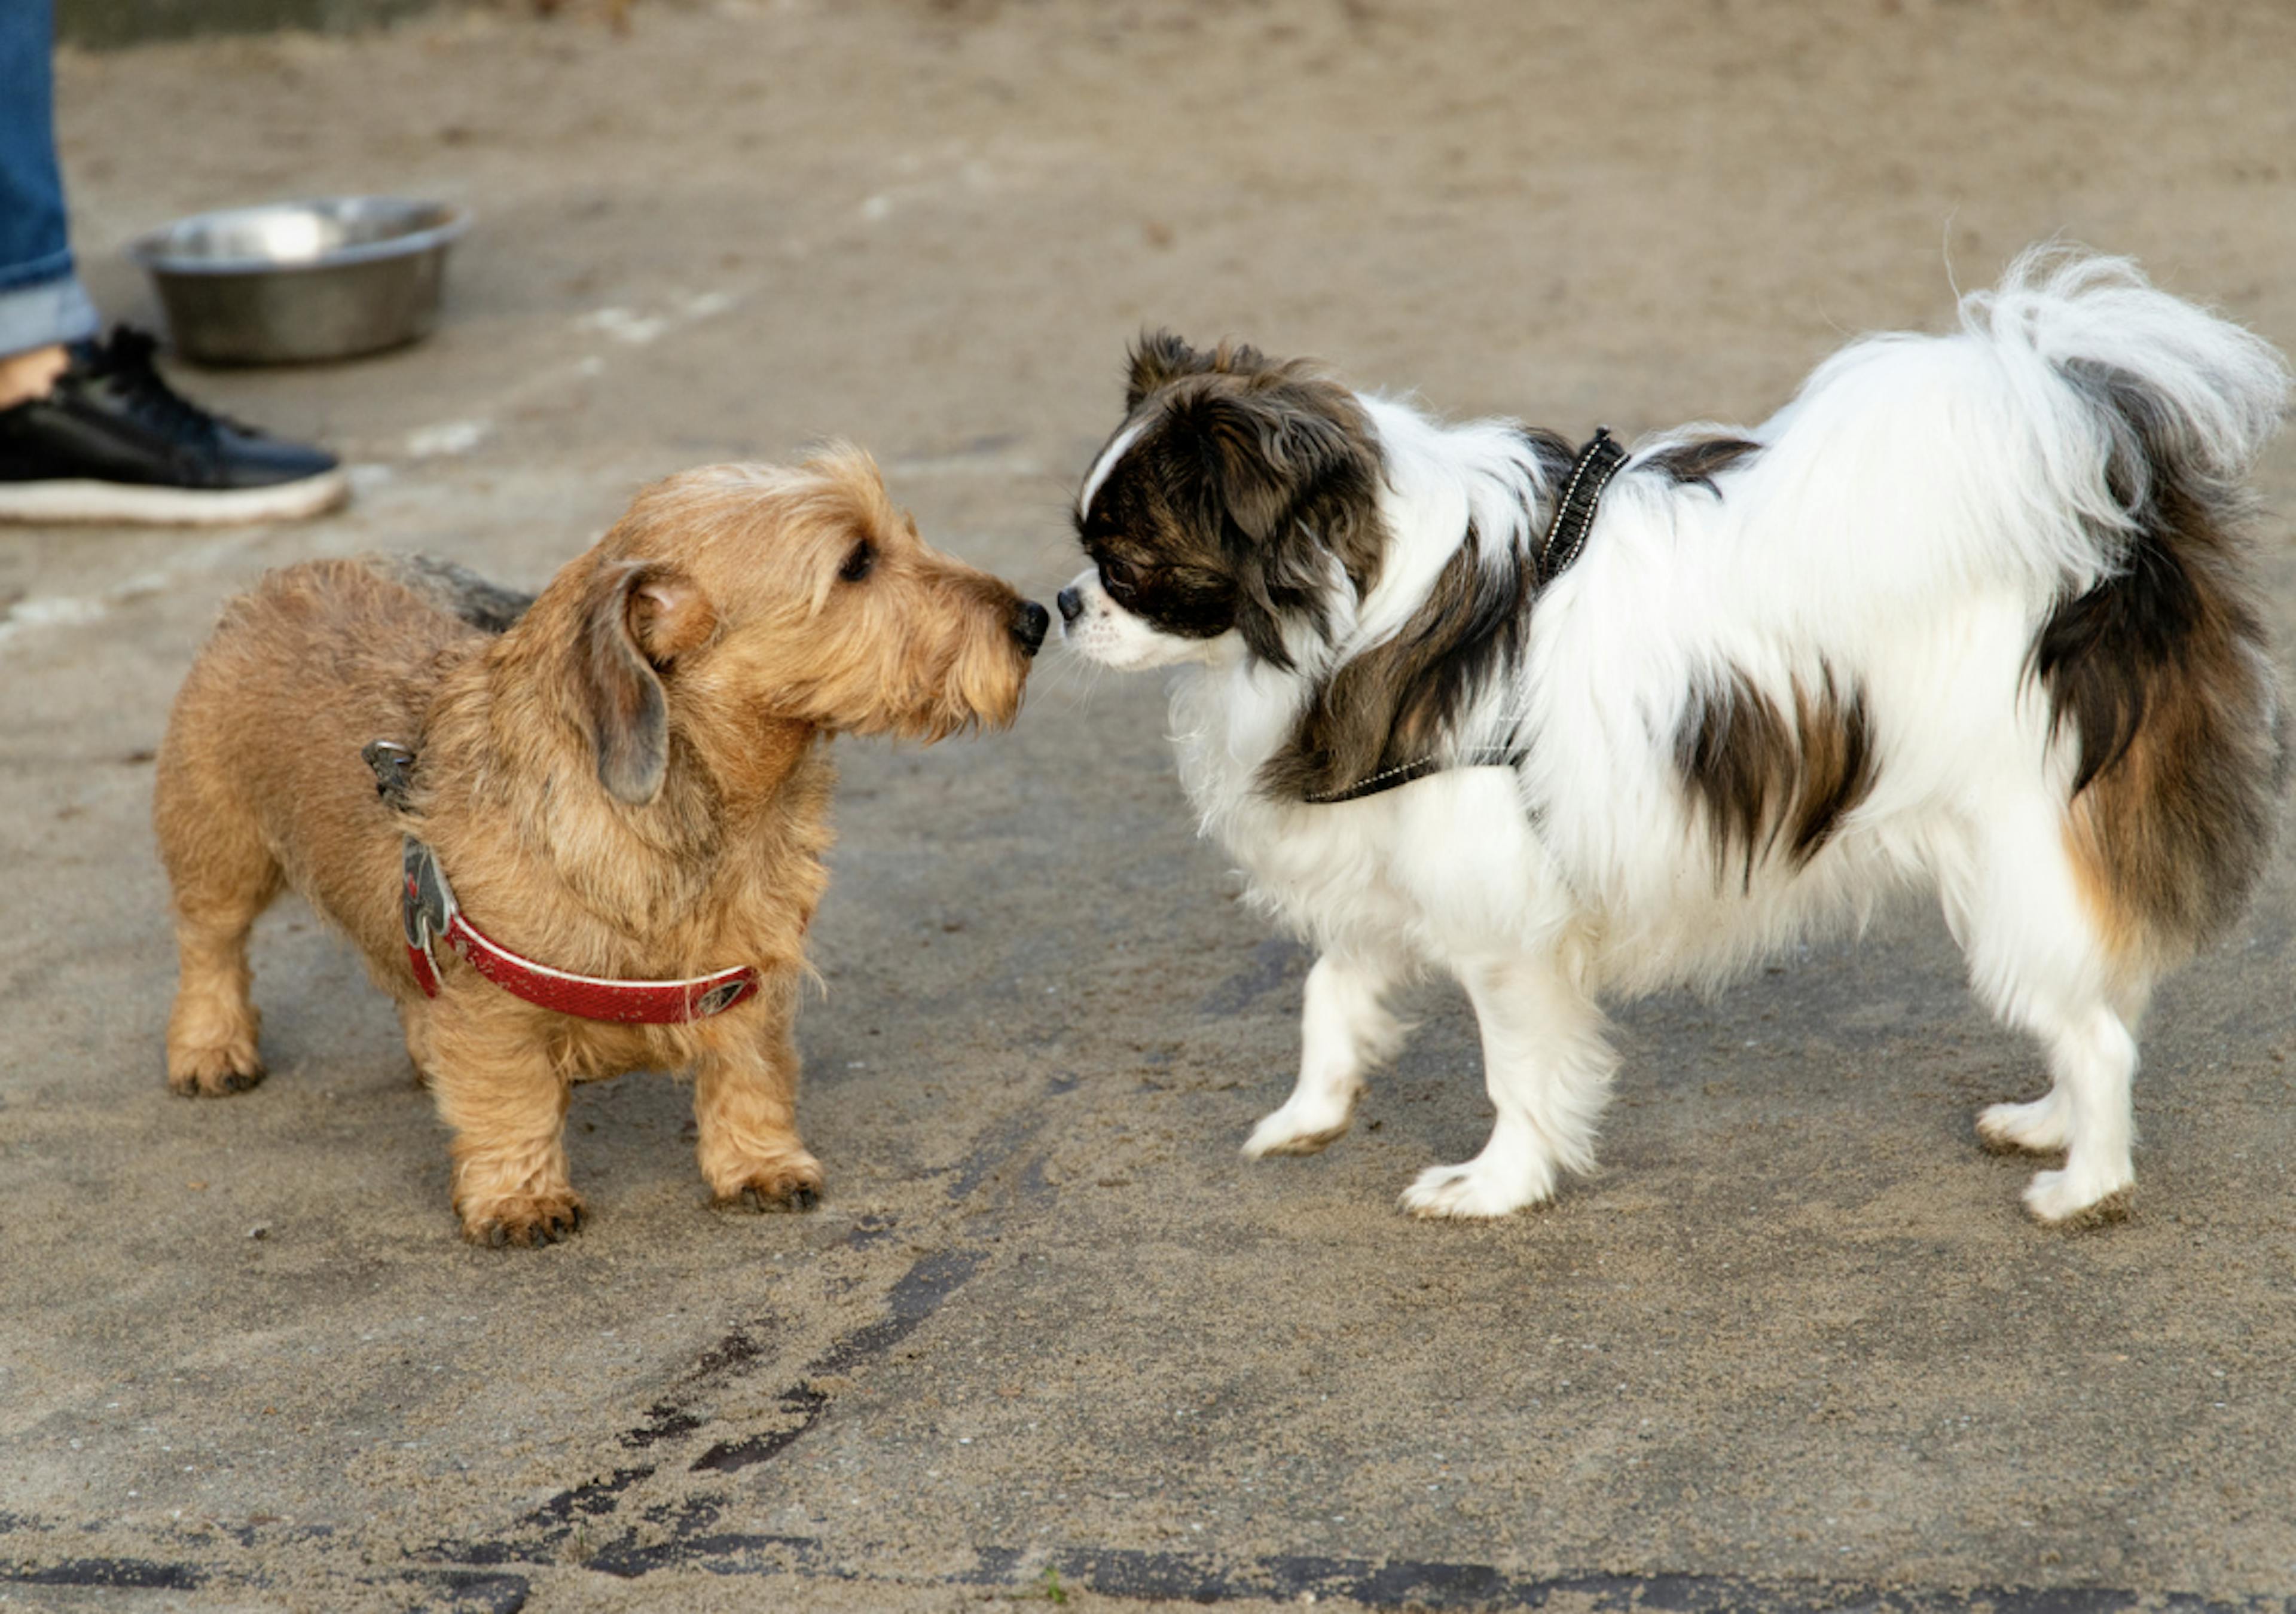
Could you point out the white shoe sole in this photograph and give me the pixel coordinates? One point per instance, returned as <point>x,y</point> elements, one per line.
<point>130,504</point>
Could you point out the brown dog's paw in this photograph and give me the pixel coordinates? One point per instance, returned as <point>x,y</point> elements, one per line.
<point>790,1184</point>
<point>529,1220</point>
<point>214,1073</point>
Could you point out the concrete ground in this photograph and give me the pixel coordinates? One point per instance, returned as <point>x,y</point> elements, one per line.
<point>1049,1339</point>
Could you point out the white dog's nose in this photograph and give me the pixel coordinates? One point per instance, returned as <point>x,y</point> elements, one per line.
<point>1071,600</point>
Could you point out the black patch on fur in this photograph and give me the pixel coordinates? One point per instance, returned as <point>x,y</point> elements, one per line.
<point>1553,452</point>
<point>455,588</point>
<point>1388,708</point>
<point>1181,587</point>
<point>1770,780</point>
<point>2160,673</point>
<point>1247,478</point>
<point>1701,460</point>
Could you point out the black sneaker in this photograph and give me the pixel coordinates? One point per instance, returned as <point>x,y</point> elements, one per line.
<point>114,442</point>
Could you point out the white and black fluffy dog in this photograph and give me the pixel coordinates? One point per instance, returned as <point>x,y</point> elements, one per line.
<point>1971,613</point>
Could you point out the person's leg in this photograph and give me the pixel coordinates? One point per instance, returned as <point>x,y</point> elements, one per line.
<point>42,307</point>
<point>89,431</point>
<point>31,374</point>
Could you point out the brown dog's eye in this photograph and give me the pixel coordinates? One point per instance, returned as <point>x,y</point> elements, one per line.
<point>858,564</point>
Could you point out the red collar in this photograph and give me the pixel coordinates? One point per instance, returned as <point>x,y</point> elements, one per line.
<point>431,915</point>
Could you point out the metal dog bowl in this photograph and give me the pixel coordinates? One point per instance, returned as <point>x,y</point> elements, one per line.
<point>301,280</point>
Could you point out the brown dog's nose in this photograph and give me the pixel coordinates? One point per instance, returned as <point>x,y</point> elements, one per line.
<point>1028,625</point>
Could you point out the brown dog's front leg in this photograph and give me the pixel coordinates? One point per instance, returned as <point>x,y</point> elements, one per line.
<point>414,1022</point>
<point>506,1103</point>
<point>745,1107</point>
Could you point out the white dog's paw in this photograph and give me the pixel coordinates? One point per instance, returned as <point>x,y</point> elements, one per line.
<point>2062,1198</point>
<point>2038,1127</point>
<point>1473,1190</point>
<point>1299,1128</point>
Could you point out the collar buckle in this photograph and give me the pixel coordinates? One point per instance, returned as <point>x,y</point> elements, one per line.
<point>427,911</point>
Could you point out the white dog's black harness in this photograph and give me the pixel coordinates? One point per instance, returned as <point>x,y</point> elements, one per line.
<point>1591,471</point>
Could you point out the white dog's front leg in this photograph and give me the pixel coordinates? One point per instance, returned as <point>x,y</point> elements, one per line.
<point>1548,1072</point>
<point>1344,1030</point>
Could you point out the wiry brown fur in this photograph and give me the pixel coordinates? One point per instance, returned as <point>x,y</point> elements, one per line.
<point>630,782</point>
<point>1768,780</point>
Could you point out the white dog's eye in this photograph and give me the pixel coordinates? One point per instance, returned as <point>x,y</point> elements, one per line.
<point>1121,578</point>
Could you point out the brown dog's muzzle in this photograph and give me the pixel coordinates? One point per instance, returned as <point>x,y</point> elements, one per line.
<point>1029,622</point>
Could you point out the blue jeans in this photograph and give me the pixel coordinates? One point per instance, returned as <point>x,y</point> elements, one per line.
<point>41,301</point>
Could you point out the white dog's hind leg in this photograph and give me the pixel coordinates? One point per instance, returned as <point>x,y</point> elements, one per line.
<point>1344,1030</point>
<point>2042,1127</point>
<point>2037,956</point>
<point>2094,1059</point>
<point>1547,1069</point>
<point>2045,1125</point>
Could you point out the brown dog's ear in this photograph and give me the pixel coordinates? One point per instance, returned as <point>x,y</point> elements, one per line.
<point>668,614</point>
<point>641,617</point>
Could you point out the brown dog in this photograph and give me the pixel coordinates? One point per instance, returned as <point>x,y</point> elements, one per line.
<point>629,781</point>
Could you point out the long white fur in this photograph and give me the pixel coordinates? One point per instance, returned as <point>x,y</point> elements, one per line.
<point>1911,519</point>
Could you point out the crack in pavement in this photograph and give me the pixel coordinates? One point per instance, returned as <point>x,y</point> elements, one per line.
<point>474,1573</point>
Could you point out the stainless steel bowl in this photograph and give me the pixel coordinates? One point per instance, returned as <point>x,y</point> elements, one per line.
<point>301,280</point>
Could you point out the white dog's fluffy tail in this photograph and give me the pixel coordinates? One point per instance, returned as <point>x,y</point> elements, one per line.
<point>2146,414</point>
<point>2126,385</point>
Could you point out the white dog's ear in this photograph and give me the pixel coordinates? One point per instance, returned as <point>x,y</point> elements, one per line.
<point>641,615</point>
<point>1288,480</point>
<point>1158,359</point>
<point>1271,451</point>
